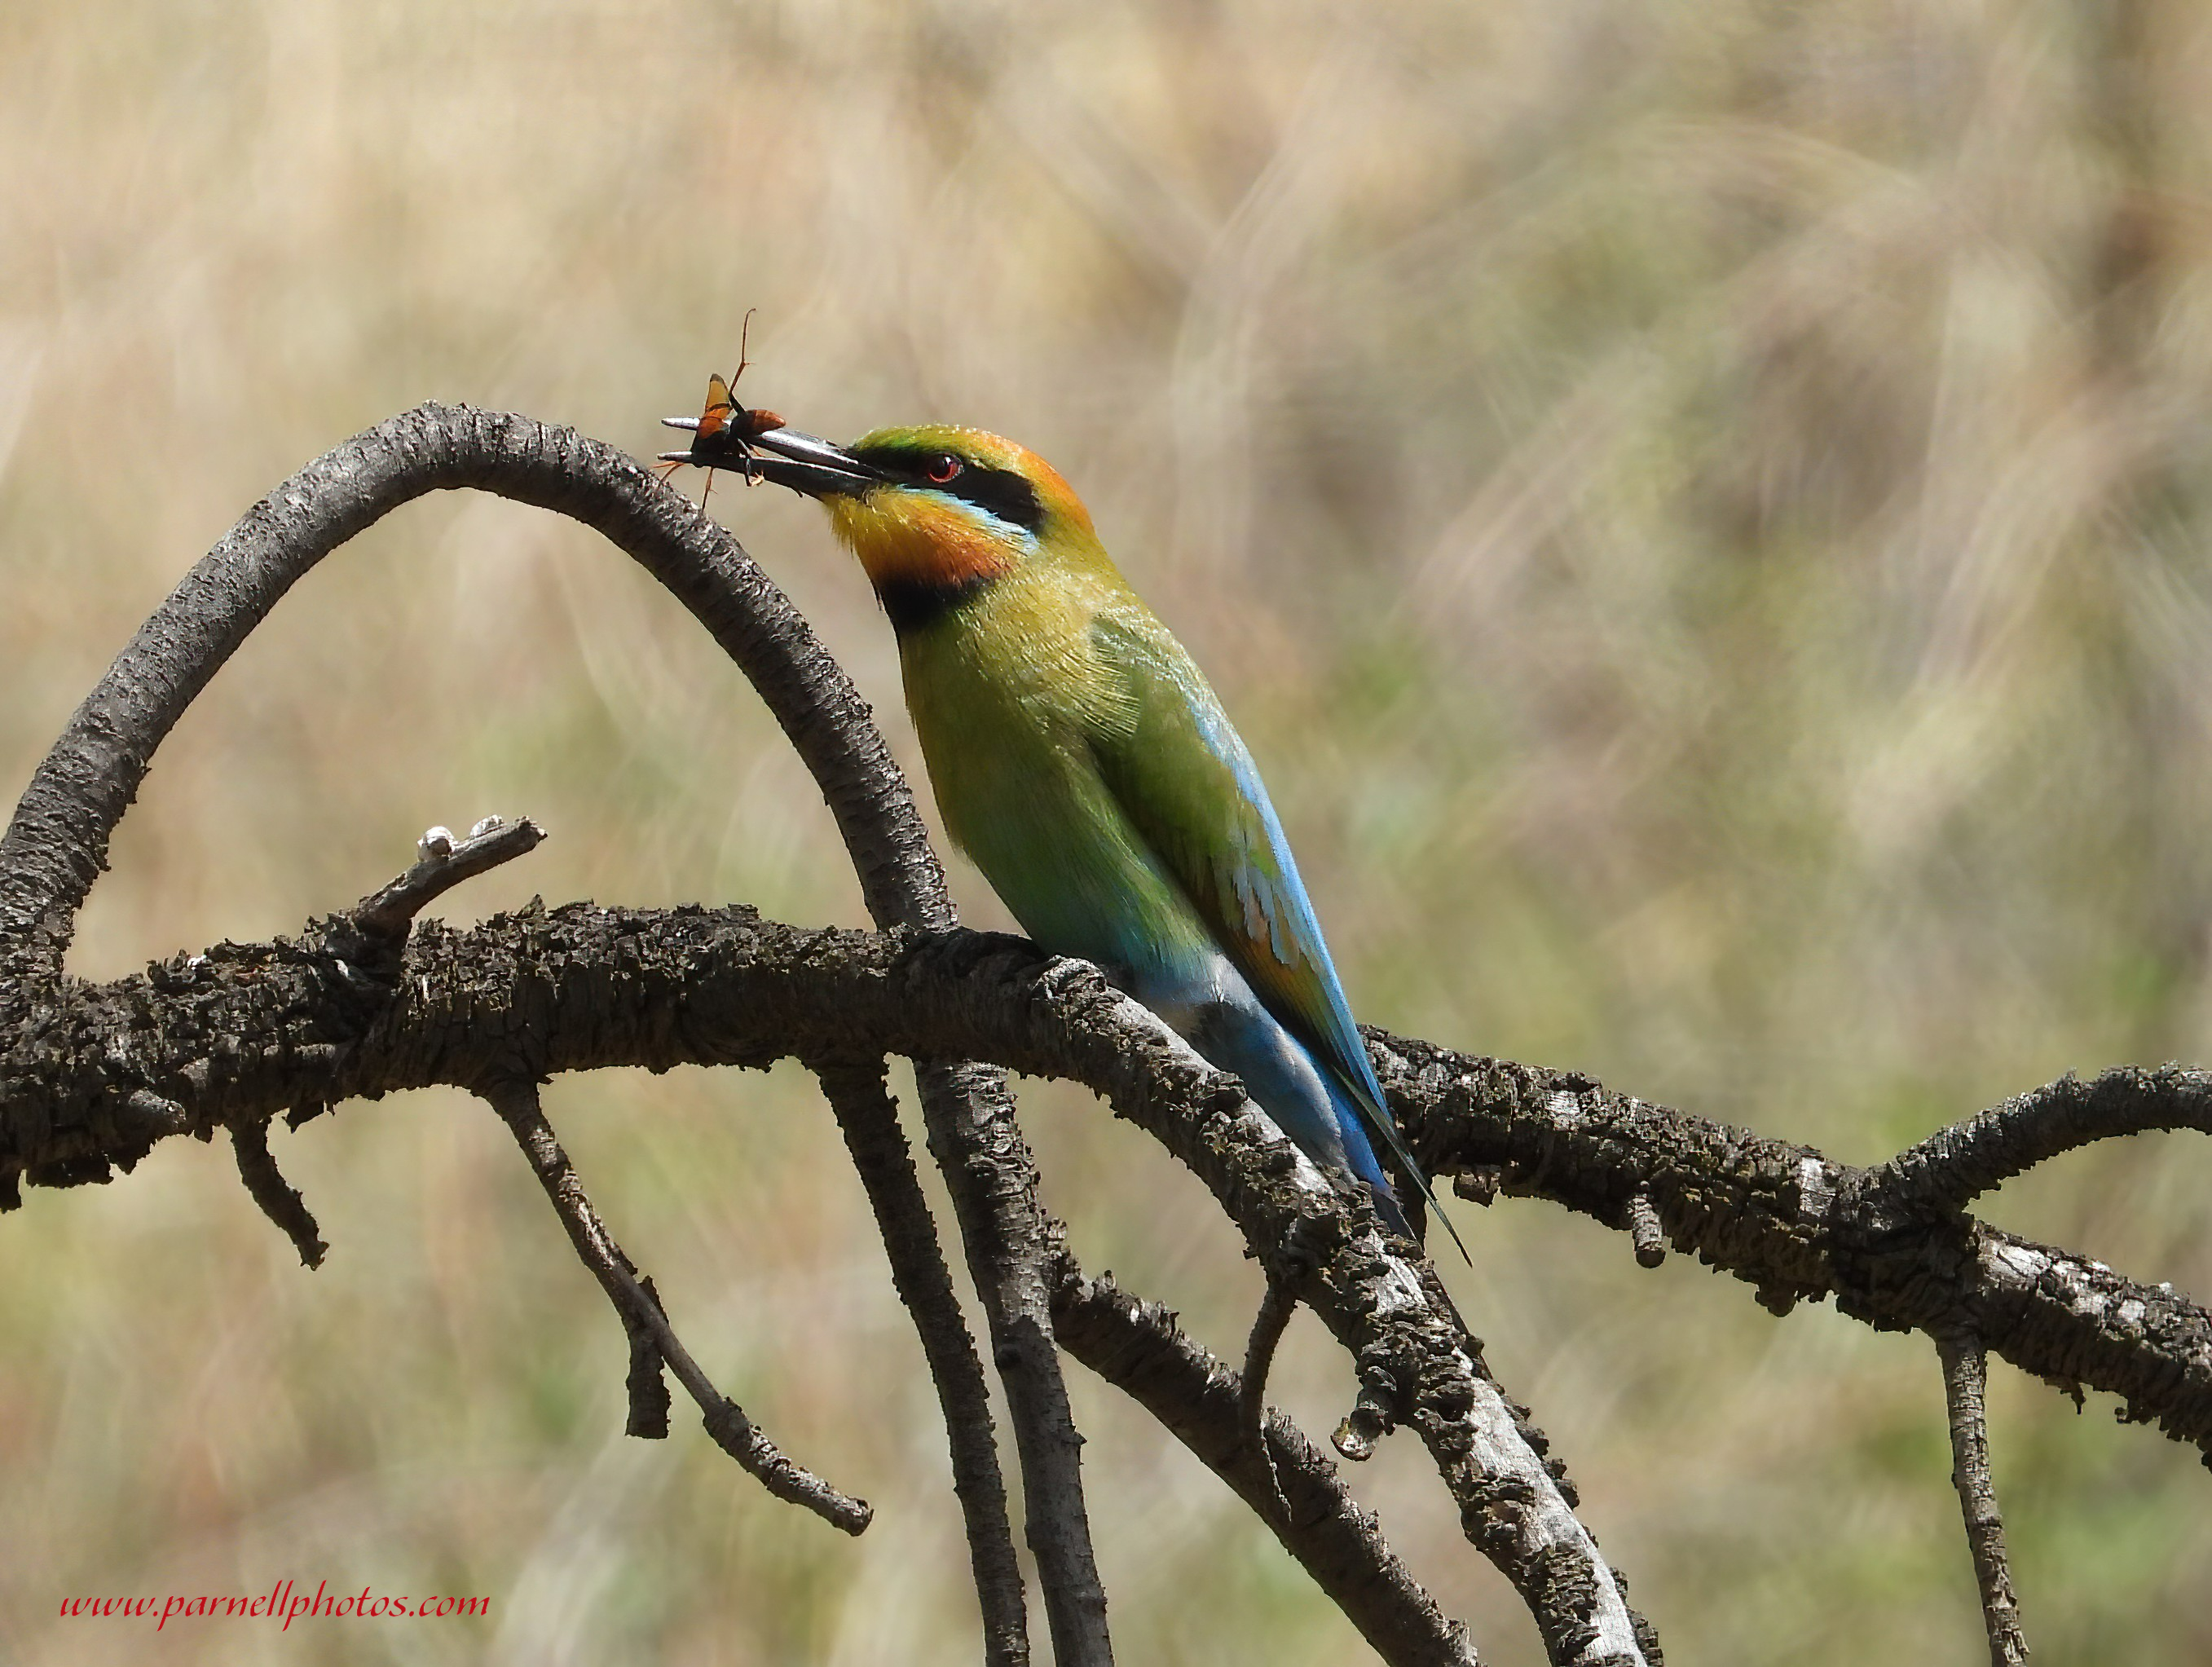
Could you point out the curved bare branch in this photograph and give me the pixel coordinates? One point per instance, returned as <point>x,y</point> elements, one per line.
<point>56,843</point>
<point>1954,1166</point>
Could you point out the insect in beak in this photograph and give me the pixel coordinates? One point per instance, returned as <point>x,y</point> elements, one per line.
<point>723,433</point>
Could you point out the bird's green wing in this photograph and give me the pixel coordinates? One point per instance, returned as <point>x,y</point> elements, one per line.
<point>1183,778</point>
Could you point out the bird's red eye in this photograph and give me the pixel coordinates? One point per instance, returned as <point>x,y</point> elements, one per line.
<point>942,468</point>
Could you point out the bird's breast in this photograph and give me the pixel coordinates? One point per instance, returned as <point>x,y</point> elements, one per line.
<point>1005,693</point>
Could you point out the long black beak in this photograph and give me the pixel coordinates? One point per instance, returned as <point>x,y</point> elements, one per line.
<point>802,462</point>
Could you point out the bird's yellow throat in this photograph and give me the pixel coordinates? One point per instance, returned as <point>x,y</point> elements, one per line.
<point>921,539</point>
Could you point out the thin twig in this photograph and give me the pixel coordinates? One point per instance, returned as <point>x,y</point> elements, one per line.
<point>386,913</point>
<point>265,1183</point>
<point>868,1119</point>
<point>1276,1307</point>
<point>445,862</point>
<point>516,1102</point>
<point>1965,1380</point>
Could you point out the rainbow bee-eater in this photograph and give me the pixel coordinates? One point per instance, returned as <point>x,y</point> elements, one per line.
<point>1082,761</point>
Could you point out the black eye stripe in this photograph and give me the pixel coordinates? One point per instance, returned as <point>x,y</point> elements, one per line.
<point>1002,492</point>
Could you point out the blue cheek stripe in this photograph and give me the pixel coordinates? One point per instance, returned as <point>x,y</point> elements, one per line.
<point>1019,538</point>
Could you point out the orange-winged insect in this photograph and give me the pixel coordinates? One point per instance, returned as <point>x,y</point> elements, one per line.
<point>723,432</point>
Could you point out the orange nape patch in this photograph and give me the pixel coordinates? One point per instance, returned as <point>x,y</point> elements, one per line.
<point>921,539</point>
<point>1057,496</point>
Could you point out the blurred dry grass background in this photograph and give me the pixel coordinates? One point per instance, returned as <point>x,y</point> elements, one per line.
<point>1700,511</point>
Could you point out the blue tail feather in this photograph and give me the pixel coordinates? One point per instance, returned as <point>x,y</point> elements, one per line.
<point>1239,1035</point>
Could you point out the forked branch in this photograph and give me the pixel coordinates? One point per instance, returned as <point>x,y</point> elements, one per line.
<point>516,1102</point>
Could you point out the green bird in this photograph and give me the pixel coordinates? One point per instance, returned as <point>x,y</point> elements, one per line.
<point>1081,760</point>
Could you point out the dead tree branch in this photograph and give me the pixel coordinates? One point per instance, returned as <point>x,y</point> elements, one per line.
<point>1954,1166</point>
<point>1965,1373</point>
<point>586,988</point>
<point>1795,1224</point>
<point>734,1432</point>
<point>869,1121</point>
<point>92,1077</point>
<point>56,843</point>
<point>1137,1347</point>
<point>445,862</point>
<point>266,1185</point>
